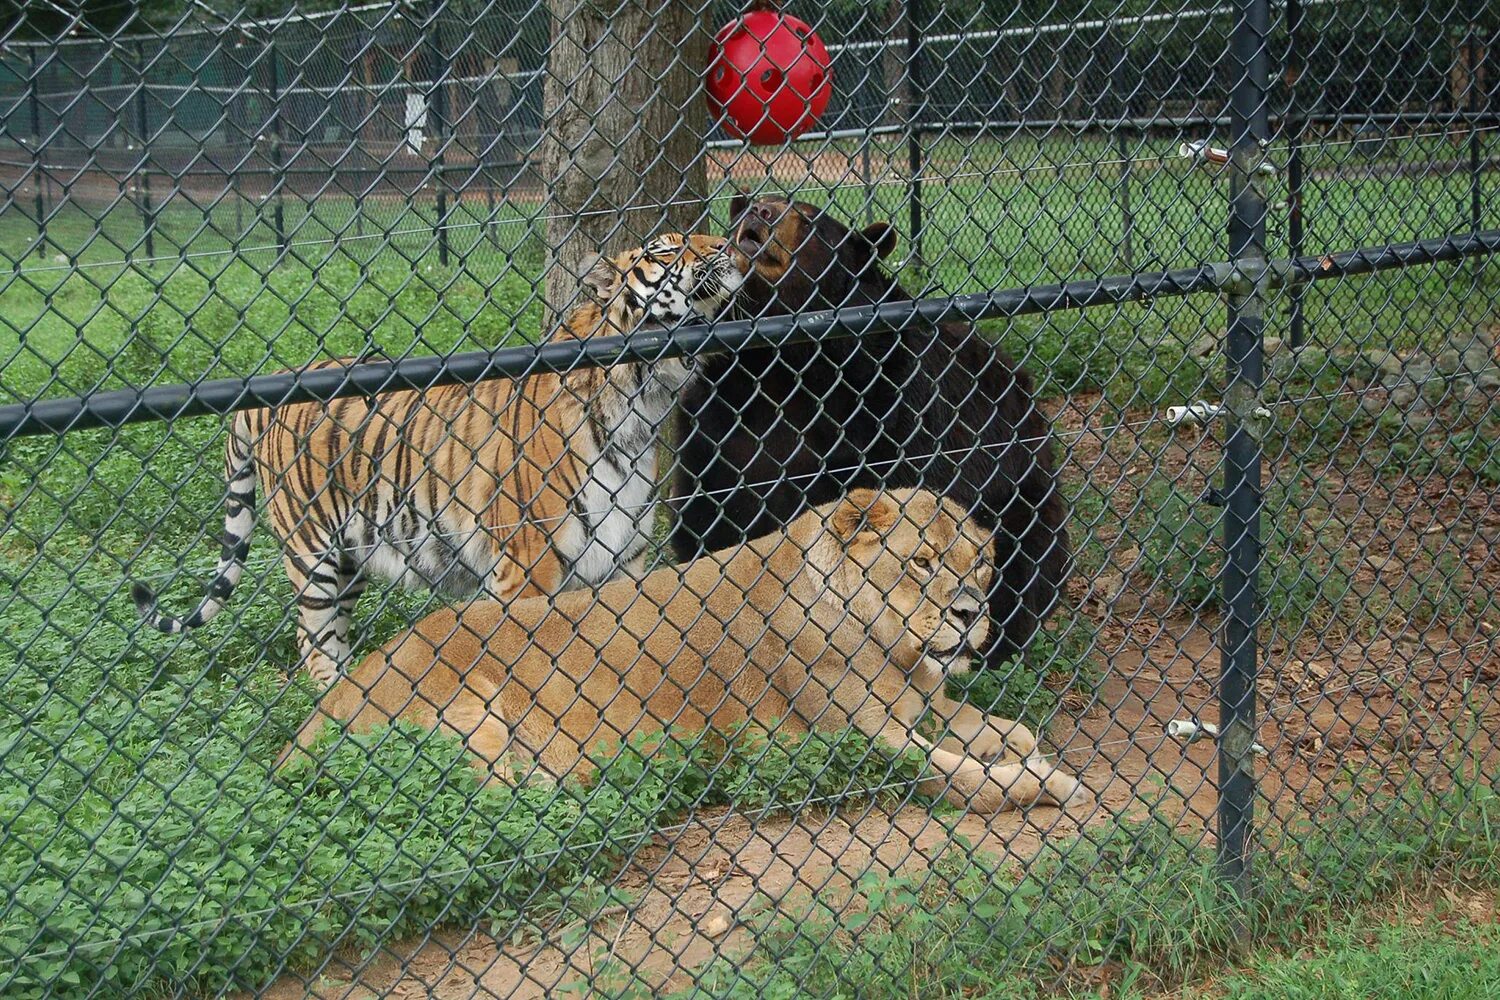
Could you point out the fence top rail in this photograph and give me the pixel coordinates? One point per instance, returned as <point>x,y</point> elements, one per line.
<point>1056,27</point>
<point>231,26</point>
<point>178,30</point>
<point>118,408</point>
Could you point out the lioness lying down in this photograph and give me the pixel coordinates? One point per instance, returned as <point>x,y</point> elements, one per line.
<point>852,616</point>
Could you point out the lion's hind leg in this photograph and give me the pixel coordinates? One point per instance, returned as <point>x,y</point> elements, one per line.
<point>486,737</point>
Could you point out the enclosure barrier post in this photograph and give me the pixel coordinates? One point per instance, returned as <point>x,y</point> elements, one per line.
<point>1242,458</point>
<point>437,100</point>
<point>1296,129</point>
<point>370,103</point>
<point>148,214</point>
<point>1120,82</point>
<point>278,175</point>
<point>864,177</point>
<point>1475,68</point>
<point>235,117</point>
<point>36,157</point>
<point>916,97</point>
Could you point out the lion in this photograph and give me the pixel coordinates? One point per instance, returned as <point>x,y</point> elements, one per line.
<point>852,616</point>
<point>768,432</point>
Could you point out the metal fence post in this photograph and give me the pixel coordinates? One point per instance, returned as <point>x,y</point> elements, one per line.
<point>36,157</point>
<point>1127,217</point>
<point>234,116</point>
<point>491,209</point>
<point>1242,459</point>
<point>278,174</point>
<point>865,181</point>
<point>437,100</point>
<point>357,137</point>
<point>148,214</point>
<point>1296,133</point>
<point>916,96</point>
<point>1475,200</point>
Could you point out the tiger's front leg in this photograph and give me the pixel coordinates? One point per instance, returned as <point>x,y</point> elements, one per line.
<point>528,566</point>
<point>326,595</point>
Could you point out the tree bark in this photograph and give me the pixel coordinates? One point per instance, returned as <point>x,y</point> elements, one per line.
<point>898,90</point>
<point>622,154</point>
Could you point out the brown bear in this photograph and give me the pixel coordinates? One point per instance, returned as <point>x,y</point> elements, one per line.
<point>768,432</point>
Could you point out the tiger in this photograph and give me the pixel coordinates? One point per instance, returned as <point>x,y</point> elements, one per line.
<point>513,488</point>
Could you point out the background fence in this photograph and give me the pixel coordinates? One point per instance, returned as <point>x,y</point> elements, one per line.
<point>1273,660</point>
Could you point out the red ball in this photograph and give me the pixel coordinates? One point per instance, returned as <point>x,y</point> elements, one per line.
<point>769,77</point>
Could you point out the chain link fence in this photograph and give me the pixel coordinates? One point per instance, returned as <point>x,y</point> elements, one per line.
<point>586,625</point>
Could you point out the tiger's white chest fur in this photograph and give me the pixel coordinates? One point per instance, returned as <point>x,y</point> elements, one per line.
<point>607,527</point>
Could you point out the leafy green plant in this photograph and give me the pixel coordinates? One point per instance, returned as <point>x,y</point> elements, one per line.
<point>1029,686</point>
<point>216,870</point>
<point>1182,556</point>
<point>1475,449</point>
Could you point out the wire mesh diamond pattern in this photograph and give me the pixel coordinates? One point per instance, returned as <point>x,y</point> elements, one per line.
<point>476,527</point>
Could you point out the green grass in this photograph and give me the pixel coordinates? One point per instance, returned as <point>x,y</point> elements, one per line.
<point>1423,961</point>
<point>183,859</point>
<point>1008,218</point>
<point>134,790</point>
<point>1182,554</point>
<point>1140,900</point>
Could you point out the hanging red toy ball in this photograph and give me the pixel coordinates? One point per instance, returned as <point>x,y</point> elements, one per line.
<point>769,76</point>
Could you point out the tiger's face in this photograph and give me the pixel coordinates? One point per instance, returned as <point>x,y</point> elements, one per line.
<point>669,281</point>
<point>672,280</point>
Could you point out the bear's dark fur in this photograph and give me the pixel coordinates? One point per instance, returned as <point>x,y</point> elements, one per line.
<point>769,432</point>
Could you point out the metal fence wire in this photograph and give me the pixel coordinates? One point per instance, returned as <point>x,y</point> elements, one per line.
<point>473,526</point>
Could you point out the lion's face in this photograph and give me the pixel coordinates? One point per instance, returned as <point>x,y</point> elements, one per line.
<point>914,570</point>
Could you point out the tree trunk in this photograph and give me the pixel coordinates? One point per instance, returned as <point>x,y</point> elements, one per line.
<point>622,157</point>
<point>898,90</point>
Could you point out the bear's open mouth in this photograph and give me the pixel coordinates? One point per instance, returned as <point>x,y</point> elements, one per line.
<point>750,243</point>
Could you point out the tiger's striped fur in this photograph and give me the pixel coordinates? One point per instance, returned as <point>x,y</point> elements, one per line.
<point>513,488</point>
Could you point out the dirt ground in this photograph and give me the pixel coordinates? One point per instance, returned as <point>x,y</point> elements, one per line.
<point>1380,700</point>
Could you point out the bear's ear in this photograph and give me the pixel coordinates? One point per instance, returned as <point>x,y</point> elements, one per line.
<point>738,206</point>
<point>882,238</point>
<point>864,515</point>
<point>599,276</point>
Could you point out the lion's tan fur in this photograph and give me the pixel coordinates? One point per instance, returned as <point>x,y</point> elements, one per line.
<point>829,624</point>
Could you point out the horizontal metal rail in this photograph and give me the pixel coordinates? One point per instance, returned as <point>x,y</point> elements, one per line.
<point>120,407</point>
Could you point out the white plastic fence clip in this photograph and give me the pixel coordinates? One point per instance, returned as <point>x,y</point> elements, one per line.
<point>1202,151</point>
<point>1200,412</point>
<point>1199,150</point>
<point>1191,731</point>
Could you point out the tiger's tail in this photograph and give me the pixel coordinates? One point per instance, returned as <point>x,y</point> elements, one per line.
<point>239,523</point>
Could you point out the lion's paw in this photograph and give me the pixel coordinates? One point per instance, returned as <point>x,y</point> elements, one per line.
<point>1058,787</point>
<point>1000,739</point>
